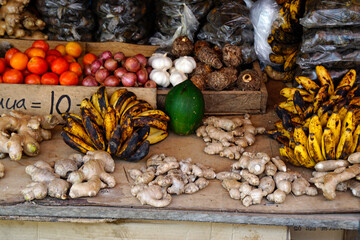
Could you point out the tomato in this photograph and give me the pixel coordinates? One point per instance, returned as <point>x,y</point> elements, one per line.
<point>32,79</point>
<point>25,72</point>
<point>2,65</point>
<point>28,50</point>
<point>69,58</point>
<point>53,52</point>
<point>73,48</point>
<point>37,65</point>
<point>69,78</point>
<point>1,81</point>
<point>50,58</point>
<point>61,49</point>
<point>59,65</point>
<point>36,52</point>
<point>13,76</point>
<point>89,58</point>
<point>9,53</point>
<point>49,78</point>
<point>19,61</point>
<point>41,44</point>
<point>76,68</point>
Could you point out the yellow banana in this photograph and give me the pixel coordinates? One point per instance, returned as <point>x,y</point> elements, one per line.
<point>86,104</point>
<point>155,113</point>
<point>116,95</point>
<point>348,122</point>
<point>314,148</point>
<point>355,102</point>
<point>292,143</point>
<point>76,143</point>
<point>308,84</point>
<point>302,156</point>
<point>324,78</point>
<point>315,127</point>
<point>289,93</point>
<point>156,135</point>
<point>345,144</point>
<point>295,7</point>
<point>109,122</point>
<point>328,147</point>
<point>288,155</point>
<point>309,111</point>
<point>300,136</point>
<point>348,80</point>
<point>334,123</point>
<point>356,139</point>
<point>343,111</point>
<point>288,106</point>
<point>325,118</point>
<point>77,130</point>
<point>290,61</point>
<point>320,97</point>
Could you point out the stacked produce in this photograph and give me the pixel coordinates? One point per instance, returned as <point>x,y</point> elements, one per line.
<point>318,122</point>
<point>75,176</point>
<point>123,21</point>
<point>23,133</point>
<point>331,37</point>
<point>284,39</point>
<point>338,175</point>
<point>67,20</point>
<point>228,137</point>
<point>164,175</point>
<point>41,65</point>
<point>255,176</point>
<point>115,70</point>
<point>18,22</point>
<point>122,125</point>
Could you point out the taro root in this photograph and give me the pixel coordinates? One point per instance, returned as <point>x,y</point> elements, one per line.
<point>218,80</point>
<point>199,44</point>
<point>208,56</point>
<point>231,55</point>
<point>202,68</point>
<point>199,80</point>
<point>231,73</point>
<point>248,80</point>
<point>182,46</point>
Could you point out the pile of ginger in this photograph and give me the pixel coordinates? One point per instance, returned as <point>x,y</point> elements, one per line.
<point>16,21</point>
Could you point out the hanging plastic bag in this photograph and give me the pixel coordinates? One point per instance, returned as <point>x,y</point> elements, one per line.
<point>263,13</point>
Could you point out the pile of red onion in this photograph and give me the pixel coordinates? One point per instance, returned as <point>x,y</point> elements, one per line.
<point>118,70</point>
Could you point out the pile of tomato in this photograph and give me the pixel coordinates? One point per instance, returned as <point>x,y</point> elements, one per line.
<point>41,65</point>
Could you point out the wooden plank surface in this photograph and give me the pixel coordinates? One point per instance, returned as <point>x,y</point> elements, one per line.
<point>214,198</point>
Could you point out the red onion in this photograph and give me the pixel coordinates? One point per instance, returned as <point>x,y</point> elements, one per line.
<point>105,55</point>
<point>87,69</point>
<point>142,59</point>
<point>149,69</point>
<point>119,56</point>
<point>142,76</point>
<point>101,74</point>
<point>111,81</point>
<point>95,65</point>
<point>128,79</point>
<point>111,64</point>
<point>132,64</point>
<point>89,81</point>
<point>120,72</point>
<point>150,84</point>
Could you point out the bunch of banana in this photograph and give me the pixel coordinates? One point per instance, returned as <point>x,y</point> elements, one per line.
<point>285,38</point>
<point>318,122</point>
<point>122,125</point>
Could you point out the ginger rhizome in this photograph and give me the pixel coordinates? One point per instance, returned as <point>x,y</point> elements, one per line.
<point>17,22</point>
<point>21,133</point>
<point>76,176</point>
<point>228,137</point>
<point>256,175</point>
<point>164,175</point>
<point>2,170</point>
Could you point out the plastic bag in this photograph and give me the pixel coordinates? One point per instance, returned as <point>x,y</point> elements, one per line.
<point>331,13</point>
<point>228,23</point>
<point>330,39</point>
<point>263,14</point>
<point>180,22</point>
<point>346,59</point>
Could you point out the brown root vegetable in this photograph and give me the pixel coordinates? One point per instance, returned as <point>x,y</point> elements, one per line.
<point>218,81</point>
<point>249,80</point>
<point>208,56</point>
<point>2,170</point>
<point>231,55</point>
<point>231,73</point>
<point>199,80</point>
<point>199,44</point>
<point>202,68</point>
<point>182,46</point>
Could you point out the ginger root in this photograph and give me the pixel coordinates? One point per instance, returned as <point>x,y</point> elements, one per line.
<point>2,170</point>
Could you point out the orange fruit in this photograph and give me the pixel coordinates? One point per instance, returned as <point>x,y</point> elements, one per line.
<point>74,49</point>
<point>19,61</point>
<point>61,49</point>
<point>36,52</point>
<point>41,44</point>
<point>89,58</point>
<point>76,68</point>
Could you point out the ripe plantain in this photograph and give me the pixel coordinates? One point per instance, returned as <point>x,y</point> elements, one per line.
<point>279,76</point>
<point>295,10</point>
<point>308,84</point>
<point>309,111</point>
<point>115,141</point>
<point>328,147</point>
<point>343,111</point>
<point>334,123</point>
<point>154,113</point>
<point>315,127</point>
<point>356,139</point>
<point>152,122</point>
<point>73,116</point>
<point>96,116</point>
<point>140,152</point>
<point>325,78</point>
<point>299,104</point>
<point>343,149</point>
<point>290,61</point>
<point>102,99</point>
<point>325,118</point>
<point>135,109</point>
<point>116,95</point>
<point>76,143</point>
<point>93,130</point>
<point>282,48</point>
<point>288,106</point>
<point>314,148</point>
<point>277,58</point>
<point>288,154</point>
<point>300,136</point>
<point>348,122</point>
<point>156,135</point>
<point>77,130</point>
<point>289,93</point>
<point>339,94</point>
<point>320,97</point>
<point>348,80</point>
<point>120,104</point>
<point>302,156</point>
<point>130,146</point>
<point>127,128</point>
<point>109,122</point>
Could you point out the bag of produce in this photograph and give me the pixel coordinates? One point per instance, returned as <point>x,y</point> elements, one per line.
<point>228,23</point>
<point>68,20</point>
<point>178,18</point>
<point>330,39</point>
<point>123,21</point>
<point>331,13</point>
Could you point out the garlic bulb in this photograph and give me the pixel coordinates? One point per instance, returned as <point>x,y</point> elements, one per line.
<point>185,64</point>
<point>177,77</point>
<point>161,77</point>
<point>160,61</point>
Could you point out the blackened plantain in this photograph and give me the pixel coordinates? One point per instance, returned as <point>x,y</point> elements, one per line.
<point>93,130</point>
<point>152,122</point>
<point>76,143</point>
<point>140,153</point>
